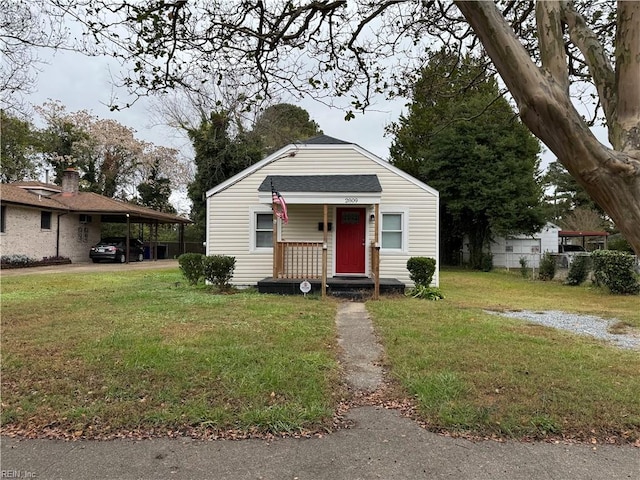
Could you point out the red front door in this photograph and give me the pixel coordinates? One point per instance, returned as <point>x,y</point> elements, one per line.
<point>350,240</point>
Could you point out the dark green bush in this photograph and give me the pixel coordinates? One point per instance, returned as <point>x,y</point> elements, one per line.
<point>191,265</point>
<point>486,262</point>
<point>547,267</point>
<point>614,270</point>
<point>421,270</point>
<point>578,270</point>
<point>218,269</point>
<point>618,242</point>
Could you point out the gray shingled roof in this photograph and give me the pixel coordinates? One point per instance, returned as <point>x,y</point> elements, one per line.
<point>324,140</point>
<point>321,183</point>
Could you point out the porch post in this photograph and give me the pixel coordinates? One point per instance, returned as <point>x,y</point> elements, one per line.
<point>126,246</point>
<point>376,253</point>
<point>324,251</point>
<point>155,233</point>
<point>183,246</point>
<point>275,246</point>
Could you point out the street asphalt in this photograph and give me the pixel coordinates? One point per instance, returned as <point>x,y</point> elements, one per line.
<point>381,444</point>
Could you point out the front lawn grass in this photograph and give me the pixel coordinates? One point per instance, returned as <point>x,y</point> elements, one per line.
<point>482,374</point>
<point>98,354</point>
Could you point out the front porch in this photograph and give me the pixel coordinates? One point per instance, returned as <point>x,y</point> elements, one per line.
<point>346,287</point>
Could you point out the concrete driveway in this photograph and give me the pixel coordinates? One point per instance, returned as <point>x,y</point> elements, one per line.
<point>91,267</point>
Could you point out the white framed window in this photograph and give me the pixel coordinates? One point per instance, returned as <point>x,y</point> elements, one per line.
<point>393,235</point>
<point>261,230</point>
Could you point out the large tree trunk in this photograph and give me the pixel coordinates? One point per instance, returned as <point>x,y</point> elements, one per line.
<point>611,177</point>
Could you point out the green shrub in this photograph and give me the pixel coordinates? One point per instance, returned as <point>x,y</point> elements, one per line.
<point>218,269</point>
<point>16,260</point>
<point>614,270</point>
<point>618,242</point>
<point>547,267</point>
<point>524,267</point>
<point>421,270</point>
<point>191,266</point>
<point>578,270</point>
<point>486,262</point>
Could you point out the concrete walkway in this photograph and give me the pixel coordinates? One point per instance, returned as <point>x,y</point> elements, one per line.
<point>382,444</point>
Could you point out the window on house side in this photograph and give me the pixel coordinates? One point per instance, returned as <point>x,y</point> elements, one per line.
<point>45,220</point>
<point>3,219</point>
<point>392,231</point>
<point>264,230</point>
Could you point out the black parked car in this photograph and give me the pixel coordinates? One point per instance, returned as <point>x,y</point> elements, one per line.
<point>113,249</point>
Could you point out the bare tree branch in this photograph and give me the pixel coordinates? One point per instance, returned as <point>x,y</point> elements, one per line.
<point>595,58</point>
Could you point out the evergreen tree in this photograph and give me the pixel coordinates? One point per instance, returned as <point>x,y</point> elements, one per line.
<point>17,159</point>
<point>565,194</point>
<point>155,191</point>
<point>218,157</point>
<point>462,138</point>
<point>282,124</point>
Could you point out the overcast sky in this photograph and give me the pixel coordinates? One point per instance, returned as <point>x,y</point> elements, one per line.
<point>85,83</point>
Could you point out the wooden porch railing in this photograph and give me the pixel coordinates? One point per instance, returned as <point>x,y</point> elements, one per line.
<point>298,260</point>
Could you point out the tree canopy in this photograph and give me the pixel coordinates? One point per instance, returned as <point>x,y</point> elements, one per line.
<point>282,124</point>
<point>218,156</point>
<point>565,195</point>
<point>220,152</point>
<point>545,53</point>
<point>17,149</point>
<point>110,159</point>
<point>462,138</point>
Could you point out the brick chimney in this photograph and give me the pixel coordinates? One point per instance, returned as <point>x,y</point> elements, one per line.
<point>70,182</point>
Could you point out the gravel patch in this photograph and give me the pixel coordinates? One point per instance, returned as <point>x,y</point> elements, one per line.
<point>581,324</point>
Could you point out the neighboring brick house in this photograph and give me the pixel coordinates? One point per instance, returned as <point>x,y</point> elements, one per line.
<point>43,220</point>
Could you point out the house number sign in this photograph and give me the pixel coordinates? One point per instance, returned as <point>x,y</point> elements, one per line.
<point>351,200</point>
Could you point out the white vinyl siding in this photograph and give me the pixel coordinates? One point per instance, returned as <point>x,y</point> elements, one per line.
<point>230,224</point>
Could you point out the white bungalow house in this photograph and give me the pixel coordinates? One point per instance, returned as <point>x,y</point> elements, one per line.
<point>352,217</point>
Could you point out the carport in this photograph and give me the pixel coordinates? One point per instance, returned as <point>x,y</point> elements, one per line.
<point>114,211</point>
<point>110,210</point>
<point>590,240</point>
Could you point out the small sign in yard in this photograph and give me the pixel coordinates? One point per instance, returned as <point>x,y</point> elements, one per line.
<point>305,287</point>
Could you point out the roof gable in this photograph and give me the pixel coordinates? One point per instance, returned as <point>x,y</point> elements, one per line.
<point>324,140</point>
<point>292,150</point>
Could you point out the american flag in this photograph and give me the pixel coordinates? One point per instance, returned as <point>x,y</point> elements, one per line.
<point>279,205</point>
